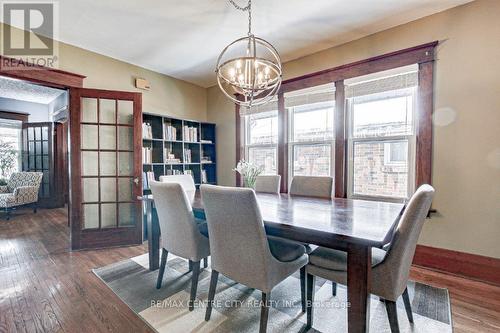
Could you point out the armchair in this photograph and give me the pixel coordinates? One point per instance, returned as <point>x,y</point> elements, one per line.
<point>21,189</point>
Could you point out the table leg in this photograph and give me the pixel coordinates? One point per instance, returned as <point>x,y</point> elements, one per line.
<point>358,288</point>
<point>153,238</point>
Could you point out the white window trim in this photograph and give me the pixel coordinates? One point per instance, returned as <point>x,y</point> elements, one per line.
<point>351,141</point>
<point>247,146</point>
<point>292,144</point>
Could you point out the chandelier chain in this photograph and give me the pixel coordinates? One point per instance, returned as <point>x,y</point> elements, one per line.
<point>247,8</point>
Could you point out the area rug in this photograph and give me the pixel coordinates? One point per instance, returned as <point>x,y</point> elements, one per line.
<point>237,307</point>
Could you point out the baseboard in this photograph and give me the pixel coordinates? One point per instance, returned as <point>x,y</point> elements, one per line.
<point>468,265</point>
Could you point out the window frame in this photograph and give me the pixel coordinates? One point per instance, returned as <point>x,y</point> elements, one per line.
<point>246,139</point>
<point>17,145</point>
<point>410,138</point>
<point>388,158</point>
<point>292,144</point>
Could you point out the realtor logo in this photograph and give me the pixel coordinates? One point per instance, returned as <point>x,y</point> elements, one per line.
<point>29,32</point>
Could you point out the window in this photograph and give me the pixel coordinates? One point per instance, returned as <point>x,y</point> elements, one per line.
<point>381,136</point>
<point>261,140</point>
<point>359,125</point>
<point>395,153</point>
<point>311,134</point>
<point>10,147</point>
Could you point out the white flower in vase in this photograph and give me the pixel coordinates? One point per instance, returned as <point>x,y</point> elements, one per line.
<point>249,172</point>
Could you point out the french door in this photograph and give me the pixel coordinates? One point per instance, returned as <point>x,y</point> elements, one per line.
<point>37,156</point>
<point>105,172</point>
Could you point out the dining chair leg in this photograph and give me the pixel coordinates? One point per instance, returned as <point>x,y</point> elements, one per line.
<point>163,264</point>
<point>334,289</point>
<point>303,288</point>
<point>406,300</point>
<point>311,280</point>
<point>190,266</point>
<point>392,313</point>
<point>205,262</point>
<point>211,293</point>
<point>194,284</point>
<point>264,312</point>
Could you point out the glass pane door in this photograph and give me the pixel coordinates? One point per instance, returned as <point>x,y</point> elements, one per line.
<point>108,212</point>
<point>37,154</point>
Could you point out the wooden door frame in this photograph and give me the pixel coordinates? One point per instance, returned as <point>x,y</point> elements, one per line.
<point>118,236</point>
<point>50,77</point>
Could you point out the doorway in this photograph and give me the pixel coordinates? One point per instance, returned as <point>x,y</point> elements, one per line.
<point>96,219</point>
<point>32,139</point>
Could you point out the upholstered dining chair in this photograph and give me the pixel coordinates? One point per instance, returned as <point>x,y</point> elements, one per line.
<point>268,184</point>
<point>186,181</point>
<point>187,184</point>
<point>180,234</point>
<point>239,247</point>
<point>317,187</point>
<point>390,269</point>
<point>312,186</point>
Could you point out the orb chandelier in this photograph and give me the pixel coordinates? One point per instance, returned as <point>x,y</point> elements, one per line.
<point>249,69</point>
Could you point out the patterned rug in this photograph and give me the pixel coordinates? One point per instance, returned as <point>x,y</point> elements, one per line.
<point>237,307</point>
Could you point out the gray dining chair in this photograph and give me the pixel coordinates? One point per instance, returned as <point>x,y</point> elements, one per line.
<point>180,234</point>
<point>312,186</point>
<point>186,181</point>
<point>268,184</point>
<point>240,248</point>
<point>390,267</point>
<point>317,187</point>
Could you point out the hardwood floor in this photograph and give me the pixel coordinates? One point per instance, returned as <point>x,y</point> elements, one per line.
<point>475,306</point>
<point>46,288</point>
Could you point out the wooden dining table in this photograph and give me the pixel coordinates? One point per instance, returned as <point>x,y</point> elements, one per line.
<point>354,226</point>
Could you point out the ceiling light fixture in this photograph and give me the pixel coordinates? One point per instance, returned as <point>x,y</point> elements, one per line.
<point>249,69</point>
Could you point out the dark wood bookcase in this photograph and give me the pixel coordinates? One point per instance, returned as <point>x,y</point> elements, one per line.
<point>158,141</point>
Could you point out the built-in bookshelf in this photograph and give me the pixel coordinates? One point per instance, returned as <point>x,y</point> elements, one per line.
<point>173,146</point>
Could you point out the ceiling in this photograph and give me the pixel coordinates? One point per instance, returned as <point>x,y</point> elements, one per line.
<point>24,91</point>
<point>182,38</point>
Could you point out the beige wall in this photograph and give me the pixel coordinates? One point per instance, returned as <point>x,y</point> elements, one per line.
<point>168,96</point>
<point>466,164</point>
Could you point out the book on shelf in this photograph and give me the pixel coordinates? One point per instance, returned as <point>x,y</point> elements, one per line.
<point>204,177</point>
<point>147,178</point>
<point>170,132</point>
<point>147,131</point>
<point>147,155</point>
<point>173,172</point>
<point>169,157</point>
<point>206,141</point>
<point>187,155</point>
<point>190,134</point>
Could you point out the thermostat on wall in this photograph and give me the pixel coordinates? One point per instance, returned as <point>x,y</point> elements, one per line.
<point>142,84</point>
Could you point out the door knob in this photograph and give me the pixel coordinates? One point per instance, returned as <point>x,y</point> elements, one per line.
<point>136,180</point>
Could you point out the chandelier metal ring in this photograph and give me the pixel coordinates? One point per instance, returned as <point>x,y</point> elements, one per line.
<point>249,69</point>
